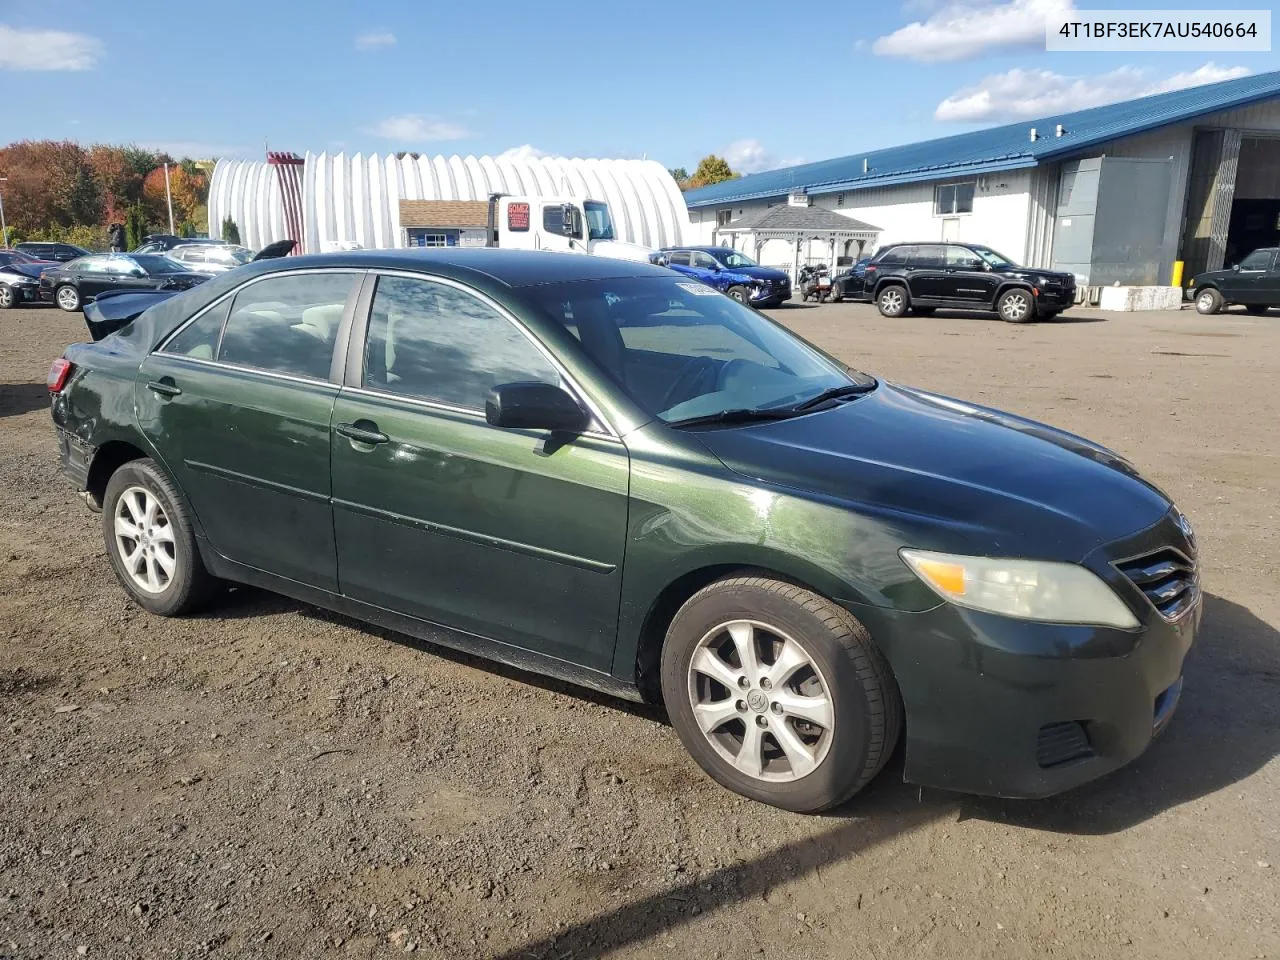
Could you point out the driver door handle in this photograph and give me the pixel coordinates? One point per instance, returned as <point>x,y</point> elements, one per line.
<point>165,388</point>
<point>369,434</point>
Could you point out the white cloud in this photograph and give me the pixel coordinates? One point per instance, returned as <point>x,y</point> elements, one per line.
<point>526,151</point>
<point>1025,94</point>
<point>374,39</point>
<point>750,156</point>
<point>413,128</point>
<point>47,50</point>
<point>969,28</point>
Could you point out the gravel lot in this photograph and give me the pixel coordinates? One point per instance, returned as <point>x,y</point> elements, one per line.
<point>269,780</point>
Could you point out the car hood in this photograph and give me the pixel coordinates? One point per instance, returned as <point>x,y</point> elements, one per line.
<point>758,273</point>
<point>621,250</point>
<point>1212,276</point>
<point>1031,273</point>
<point>953,476</point>
<point>30,271</point>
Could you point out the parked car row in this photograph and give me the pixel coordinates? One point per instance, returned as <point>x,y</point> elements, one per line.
<point>901,278</point>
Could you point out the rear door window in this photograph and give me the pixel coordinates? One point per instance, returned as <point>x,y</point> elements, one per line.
<point>287,324</point>
<point>929,256</point>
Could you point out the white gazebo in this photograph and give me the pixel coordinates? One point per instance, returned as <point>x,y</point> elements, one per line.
<point>800,225</point>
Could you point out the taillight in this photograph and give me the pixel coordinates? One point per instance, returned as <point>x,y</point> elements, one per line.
<point>59,373</point>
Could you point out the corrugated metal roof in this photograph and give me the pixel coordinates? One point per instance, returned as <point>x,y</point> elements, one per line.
<point>998,148</point>
<point>803,219</point>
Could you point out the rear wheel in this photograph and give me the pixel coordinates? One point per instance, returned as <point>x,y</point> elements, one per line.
<point>835,296</point>
<point>1015,306</point>
<point>1208,301</point>
<point>778,693</point>
<point>67,297</point>
<point>892,300</point>
<point>149,539</point>
<point>7,298</point>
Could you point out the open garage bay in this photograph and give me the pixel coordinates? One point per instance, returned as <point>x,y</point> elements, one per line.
<point>269,780</point>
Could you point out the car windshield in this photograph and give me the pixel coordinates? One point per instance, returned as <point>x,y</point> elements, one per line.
<point>993,258</point>
<point>599,223</point>
<point>684,351</point>
<point>732,258</point>
<point>155,263</point>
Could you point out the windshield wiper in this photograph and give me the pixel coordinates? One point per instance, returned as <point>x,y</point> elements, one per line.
<point>834,393</point>
<point>736,415</point>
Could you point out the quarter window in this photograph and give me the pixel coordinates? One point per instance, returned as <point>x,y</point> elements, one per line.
<point>928,256</point>
<point>439,343</point>
<point>199,339</point>
<point>287,324</point>
<point>893,256</point>
<point>953,198</point>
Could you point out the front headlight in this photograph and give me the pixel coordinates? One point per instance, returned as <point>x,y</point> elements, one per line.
<point>1027,589</point>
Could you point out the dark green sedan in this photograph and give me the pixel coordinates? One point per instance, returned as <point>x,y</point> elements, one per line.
<point>601,471</point>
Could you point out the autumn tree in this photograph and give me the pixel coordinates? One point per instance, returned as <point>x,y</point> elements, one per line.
<point>119,181</point>
<point>51,184</point>
<point>711,169</point>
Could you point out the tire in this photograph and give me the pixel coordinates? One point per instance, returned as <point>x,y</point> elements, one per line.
<point>1208,301</point>
<point>892,300</point>
<point>1016,306</point>
<point>68,298</point>
<point>740,293</point>
<point>169,589</point>
<point>7,296</point>
<point>836,296</point>
<point>843,679</point>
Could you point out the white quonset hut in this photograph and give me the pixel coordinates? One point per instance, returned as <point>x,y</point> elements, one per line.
<point>341,200</point>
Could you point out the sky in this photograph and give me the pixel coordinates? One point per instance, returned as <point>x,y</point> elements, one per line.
<point>763,83</point>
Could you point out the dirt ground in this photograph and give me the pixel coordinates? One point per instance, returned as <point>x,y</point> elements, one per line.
<point>269,780</point>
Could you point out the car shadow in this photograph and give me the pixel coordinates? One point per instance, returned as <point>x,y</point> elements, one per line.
<point>1062,318</point>
<point>19,398</point>
<point>1227,726</point>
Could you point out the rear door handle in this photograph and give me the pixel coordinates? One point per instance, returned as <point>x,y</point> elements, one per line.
<point>166,388</point>
<point>365,434</point>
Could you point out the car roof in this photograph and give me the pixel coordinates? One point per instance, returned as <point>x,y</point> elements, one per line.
<point>703,249</point>
<point>513,268</point>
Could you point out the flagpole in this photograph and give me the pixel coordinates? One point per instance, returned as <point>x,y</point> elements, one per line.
<point>168,197</point>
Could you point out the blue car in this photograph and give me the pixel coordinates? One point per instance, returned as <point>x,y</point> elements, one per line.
<point>732,273</point>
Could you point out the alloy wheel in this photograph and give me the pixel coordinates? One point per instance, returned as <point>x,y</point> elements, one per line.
<point>68,299</point>
<point>761,701</point>
<point>6,297</point>
<point>144,540</point>
<point>891,301</point>
<point>1016,307</point>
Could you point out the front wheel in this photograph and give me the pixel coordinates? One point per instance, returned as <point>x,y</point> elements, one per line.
<point>7,297</point>
<point>1015,306</point>
<point>892,301</point>
<point>147,529</point>
<point>741,294</point>
<point>1208,301</point>
<point>67,297</point>
<point>779,694</point>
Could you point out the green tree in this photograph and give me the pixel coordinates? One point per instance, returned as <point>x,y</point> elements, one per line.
<point>711,169</point>
<point>230,232</point>
<point>135,227</point>
<point>679,175</point>
<point>140,161</point>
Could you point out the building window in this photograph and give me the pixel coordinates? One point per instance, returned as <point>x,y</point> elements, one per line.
<point>433,240</point>
<point>723,217</point>
<point>953,198</point>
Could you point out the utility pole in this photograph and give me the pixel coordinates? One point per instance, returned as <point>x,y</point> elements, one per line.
<point>4,231</point>
<point>168,197</point>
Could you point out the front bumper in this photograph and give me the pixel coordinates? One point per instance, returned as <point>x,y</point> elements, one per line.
<point>1009,708</point>
<point>1055,299</point>
<point>771,296</point>
<point>25,292</point>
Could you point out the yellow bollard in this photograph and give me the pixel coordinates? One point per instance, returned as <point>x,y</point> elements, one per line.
<point>1177,274</point>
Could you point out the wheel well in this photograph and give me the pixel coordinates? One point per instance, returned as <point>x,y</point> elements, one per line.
<point>111,456</point>
<point>1011,285</point>
<point>893,282</point>
<point>662,611</point>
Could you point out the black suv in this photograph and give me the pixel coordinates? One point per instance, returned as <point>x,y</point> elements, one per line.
<point>60,252</point>
<point>921,277</point>
<point>1254,283</point>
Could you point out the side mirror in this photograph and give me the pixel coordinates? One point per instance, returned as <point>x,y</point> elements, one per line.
<point>1235,267</point>
<point>566,219</point>
<point>532,405</point>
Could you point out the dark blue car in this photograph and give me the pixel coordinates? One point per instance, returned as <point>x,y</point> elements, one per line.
<point>732,273</point>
